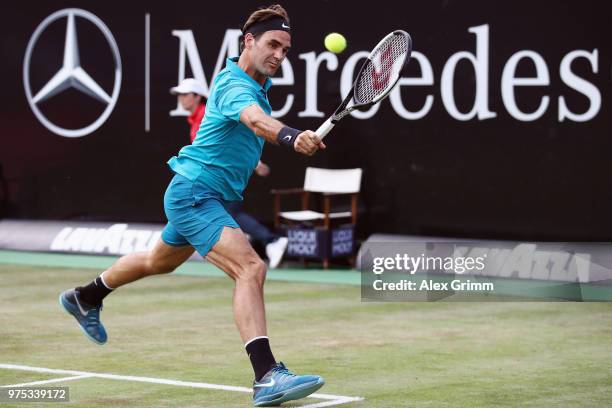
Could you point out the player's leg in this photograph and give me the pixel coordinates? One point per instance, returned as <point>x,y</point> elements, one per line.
<point>162,259</point>
<point>234,254</point>
<point>84,303</point>
<point>274,383</point>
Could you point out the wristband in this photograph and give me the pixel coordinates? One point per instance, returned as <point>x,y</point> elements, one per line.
<point>286,136</point>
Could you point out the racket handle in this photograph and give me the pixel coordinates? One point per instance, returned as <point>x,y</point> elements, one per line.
<point>325,128</point>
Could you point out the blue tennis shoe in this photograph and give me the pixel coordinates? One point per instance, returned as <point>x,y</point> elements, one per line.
<point>87,316</point>
<point>280,385</point>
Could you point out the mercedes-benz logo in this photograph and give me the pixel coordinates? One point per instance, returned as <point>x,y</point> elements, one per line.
<point>71,74</point>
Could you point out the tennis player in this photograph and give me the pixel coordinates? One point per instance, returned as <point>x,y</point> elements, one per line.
<point>209,173</point>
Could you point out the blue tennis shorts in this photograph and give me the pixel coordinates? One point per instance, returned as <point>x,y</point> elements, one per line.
<point>196,215</point>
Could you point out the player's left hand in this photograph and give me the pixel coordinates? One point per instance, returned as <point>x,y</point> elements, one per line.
<point>308,142</point>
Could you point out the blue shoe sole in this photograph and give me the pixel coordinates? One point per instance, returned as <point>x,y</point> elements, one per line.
<point>295,393</point>
<point>61,302</point>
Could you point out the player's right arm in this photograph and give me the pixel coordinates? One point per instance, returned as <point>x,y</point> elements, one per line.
<point>265,126</point>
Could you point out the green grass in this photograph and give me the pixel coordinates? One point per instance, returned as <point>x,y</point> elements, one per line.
<point>394,354</point>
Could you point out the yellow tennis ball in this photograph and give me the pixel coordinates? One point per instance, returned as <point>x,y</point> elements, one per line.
<point>335,42</point>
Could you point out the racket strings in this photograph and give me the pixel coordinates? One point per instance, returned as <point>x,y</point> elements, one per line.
<point>379,73</point>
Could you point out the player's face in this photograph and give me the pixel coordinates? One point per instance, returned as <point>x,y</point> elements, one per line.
<point>270,50</point>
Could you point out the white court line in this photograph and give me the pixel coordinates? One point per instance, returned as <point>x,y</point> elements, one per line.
<point>338,401</point>
<point>54,380</point>
<point>334,399</point>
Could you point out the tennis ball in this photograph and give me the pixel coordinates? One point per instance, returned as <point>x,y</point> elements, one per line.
<point>335,42</point>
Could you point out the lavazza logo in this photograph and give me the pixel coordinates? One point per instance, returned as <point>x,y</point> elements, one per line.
<point>71,74</point>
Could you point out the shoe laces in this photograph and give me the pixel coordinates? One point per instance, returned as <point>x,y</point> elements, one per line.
<point>93,316</point>
<point>281,369</point>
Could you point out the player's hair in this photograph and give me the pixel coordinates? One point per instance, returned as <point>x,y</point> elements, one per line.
<point>262,14</point>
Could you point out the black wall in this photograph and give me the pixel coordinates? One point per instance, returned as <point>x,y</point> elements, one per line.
<point>498,177</point>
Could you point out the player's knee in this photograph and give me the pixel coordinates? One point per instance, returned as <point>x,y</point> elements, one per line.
<point>260,272</point>
<point>253,270</point>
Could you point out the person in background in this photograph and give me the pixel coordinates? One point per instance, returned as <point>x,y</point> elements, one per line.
<point>191,97</point>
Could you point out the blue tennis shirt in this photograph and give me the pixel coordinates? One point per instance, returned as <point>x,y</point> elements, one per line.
<point>225,151</point>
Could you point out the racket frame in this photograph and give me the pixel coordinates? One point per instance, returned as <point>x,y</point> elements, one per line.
<point>343,110</point>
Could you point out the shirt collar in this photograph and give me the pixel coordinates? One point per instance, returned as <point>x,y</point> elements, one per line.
<point>233,66</point>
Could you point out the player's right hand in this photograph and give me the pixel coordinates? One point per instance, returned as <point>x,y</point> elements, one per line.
<point>308,143</point>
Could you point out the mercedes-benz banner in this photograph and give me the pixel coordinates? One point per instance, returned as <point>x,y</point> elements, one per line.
<point>500,126</point>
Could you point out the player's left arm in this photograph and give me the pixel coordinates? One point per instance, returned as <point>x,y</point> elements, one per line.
<point>274,131</point>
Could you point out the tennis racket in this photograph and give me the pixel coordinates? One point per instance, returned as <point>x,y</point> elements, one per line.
<point>376,78</point>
